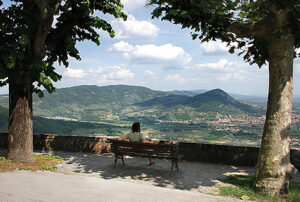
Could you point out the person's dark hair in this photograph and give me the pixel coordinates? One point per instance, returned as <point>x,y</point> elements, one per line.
<point>136,127</point>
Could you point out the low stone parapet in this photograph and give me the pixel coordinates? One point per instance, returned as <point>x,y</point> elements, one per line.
<point>202,152</point>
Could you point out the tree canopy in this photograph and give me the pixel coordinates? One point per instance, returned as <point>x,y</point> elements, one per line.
<point>35,34</point>
<point>263,31</point>
<point>242,24</point>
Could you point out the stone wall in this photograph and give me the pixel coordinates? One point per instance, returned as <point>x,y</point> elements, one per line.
<point>219,153</point>
<point>74,143</point>
<point>203,152</point>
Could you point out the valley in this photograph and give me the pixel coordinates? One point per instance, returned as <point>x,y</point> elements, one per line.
<point>211,116</point>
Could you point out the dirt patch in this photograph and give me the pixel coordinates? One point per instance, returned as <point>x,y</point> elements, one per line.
<point>41,162</point>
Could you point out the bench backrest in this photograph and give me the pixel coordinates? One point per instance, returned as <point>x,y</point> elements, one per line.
<point>145,149</point>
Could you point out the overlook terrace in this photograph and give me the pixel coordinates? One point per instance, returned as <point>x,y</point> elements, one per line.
<point>196,152</point>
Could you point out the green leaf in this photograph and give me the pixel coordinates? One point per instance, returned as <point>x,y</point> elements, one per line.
<point>231,50</point>
<point>194,36</point>
<point>47,82</point>
<point>10,62</point>
<point>40,94</point>
<point>112,34</point>
<point>87,2</point>
<point>173,12</point>
<point>242,15</point>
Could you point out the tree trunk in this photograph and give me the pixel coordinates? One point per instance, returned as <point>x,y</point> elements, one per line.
<point>20,138</point>
<point>274,170</point>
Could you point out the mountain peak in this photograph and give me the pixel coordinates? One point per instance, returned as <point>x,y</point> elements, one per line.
<point>217,91</point>
<point>219,94</point>
<point>213,95</point>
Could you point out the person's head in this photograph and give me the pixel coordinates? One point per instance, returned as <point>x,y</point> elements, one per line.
<point>136,127</point>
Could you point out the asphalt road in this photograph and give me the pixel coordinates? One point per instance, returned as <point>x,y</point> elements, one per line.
<point>48,186</point>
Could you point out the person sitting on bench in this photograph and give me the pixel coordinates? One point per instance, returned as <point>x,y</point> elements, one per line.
<point>136,136</point>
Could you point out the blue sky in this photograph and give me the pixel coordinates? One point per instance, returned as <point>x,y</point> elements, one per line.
<point>162,56</point>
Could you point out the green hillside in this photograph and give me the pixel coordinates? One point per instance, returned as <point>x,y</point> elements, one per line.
<point>129,103</point>
<point>190,93</point>
<point>3,119</point>
<point>166,101</point>
<point>43,125</point>
<point>92,103</point>
<point>4,100</point>
<point>181,107</point>
<point>220,101</point>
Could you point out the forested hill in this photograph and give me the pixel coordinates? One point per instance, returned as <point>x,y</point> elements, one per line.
<point>94,103</point>
<point>116,96</point>
<point>187,92</point>
<point>3,119</point>
<point>214,101</point>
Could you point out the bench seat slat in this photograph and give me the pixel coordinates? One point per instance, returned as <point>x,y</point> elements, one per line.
<point>147,155</point>
<point>144,149</point>
<point>145,152</point>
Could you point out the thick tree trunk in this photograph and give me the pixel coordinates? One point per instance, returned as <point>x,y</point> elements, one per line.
<point>20,138</point>
<point>274,170</point>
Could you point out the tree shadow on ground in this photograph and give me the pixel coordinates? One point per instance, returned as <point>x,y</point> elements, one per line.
<point>190,175</point>
<point>199,176</point>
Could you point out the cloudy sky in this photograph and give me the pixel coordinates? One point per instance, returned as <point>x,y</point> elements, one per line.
<point>162,56</point>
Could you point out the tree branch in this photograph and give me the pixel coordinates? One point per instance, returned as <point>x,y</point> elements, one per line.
<point>47,9</point>
<point>256,29</point>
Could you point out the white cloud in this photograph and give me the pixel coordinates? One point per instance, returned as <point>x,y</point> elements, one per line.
<point>222,65</point>
<point>167,54</point>
<point>105,74</point>
<point>175,78</point>
<point>149,73</point>
<point>232,76</point>
<point>133,4</point>
<point>74,73</point>
<point>133,28</point>
<point>121,47</point>
<point>214,47</point>
<point>225,70</point>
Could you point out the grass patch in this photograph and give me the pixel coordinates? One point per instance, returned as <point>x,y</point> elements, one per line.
<point>241,187</point>
<point>294,192</point>
<point>41,162</point>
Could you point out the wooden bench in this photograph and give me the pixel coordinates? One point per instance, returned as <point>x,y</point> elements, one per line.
<point>148,150</point>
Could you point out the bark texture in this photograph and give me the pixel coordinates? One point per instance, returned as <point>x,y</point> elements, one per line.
<point>20,138</point>
<point>274,170</point>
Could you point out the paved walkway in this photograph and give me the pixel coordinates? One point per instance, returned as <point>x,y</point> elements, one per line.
<point>91,177</point>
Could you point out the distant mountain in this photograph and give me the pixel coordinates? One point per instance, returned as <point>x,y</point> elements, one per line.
<point>122,102</point>
<point>247,98</point>
<point>4,100</point>
<point>166,101</point>
<point>214,101</point>
<point>92,102</point>
<point>216,95</point>
<point>218,100</point>
<point>3,119</point>
<point>190,93</point>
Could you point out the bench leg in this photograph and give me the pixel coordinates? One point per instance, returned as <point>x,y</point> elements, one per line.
<point>122,160</point>
<point>118,156</point>
<point>174,164</point>
<point>116,159</point>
